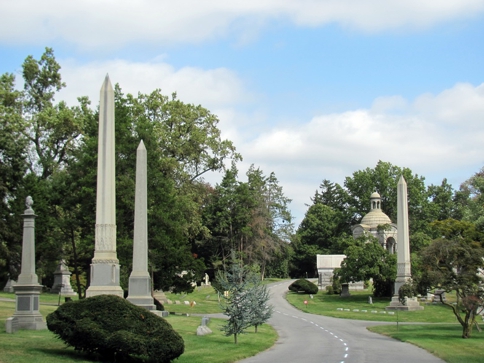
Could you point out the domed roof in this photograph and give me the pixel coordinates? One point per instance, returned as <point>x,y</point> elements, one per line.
<point>375,218</point>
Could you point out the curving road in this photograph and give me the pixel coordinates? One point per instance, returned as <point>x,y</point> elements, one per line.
<point>308,338</point>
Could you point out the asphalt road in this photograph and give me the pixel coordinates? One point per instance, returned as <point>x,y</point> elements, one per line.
<point>308,338</point>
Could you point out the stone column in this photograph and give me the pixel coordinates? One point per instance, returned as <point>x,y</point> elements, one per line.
<point>105,264</point>
<point>139,292</point>
<point>27,289</point>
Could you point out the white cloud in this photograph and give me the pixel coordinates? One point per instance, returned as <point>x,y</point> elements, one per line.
<point>214,88</point>
<point>105,24</point>
<point>436,136</point>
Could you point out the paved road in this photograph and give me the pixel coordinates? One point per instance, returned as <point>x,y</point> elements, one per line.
<point>307,338</point>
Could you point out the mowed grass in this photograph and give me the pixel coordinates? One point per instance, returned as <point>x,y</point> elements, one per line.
<point>26,346</point>
<point>443,340</point>
<point>328,305</point>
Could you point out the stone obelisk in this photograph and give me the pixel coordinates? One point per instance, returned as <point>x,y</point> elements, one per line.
<point>403,250</point>
<point>27,289</point>
<point>105,264</point>
<point>139,292</point>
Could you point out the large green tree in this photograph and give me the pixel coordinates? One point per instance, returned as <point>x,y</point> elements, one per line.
<point>366,259</point>
<point>456,265</point>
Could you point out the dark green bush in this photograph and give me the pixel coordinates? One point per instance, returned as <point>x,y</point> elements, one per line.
<point>303,285</point>
<point>115,329</point>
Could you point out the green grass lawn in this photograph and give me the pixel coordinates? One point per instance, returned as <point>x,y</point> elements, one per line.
<point>26,346</point>
<point>328,305</point>
<point>443,341</point>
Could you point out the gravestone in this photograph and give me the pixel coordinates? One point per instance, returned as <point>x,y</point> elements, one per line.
<point>27,289</point>
<point>203,329</point>
<point>62,280</point>
<point>403,251</point>
<point>105,264</point>
<point>139,290</point>
<point>9,286</point>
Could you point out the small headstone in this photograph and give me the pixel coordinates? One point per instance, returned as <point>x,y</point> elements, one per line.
<point>186,302</point>
<point>168,301</point>
<point>391,313</point>
<point>339,309</point>
<point>356,310</point>
<point>370,300</point>
<point>177,302</point>
<point>346,309</point>
<point>205,321</point>
<point>364,311</point>
<point>374,311</point>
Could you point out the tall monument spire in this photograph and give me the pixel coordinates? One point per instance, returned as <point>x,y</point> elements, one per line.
<point>139,292</point>
<point>105,264</point>
<point>403,251</point>
<point>403,242</point>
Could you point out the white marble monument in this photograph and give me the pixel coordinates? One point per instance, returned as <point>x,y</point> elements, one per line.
<point>105,264</point>
<point>139,291</point>
<point>27,289</point>
<point>403,251</point>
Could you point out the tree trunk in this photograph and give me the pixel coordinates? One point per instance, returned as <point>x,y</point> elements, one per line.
<point>235,338</point>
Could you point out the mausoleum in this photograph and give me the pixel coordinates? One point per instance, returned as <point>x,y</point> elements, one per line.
<point>377,224</point>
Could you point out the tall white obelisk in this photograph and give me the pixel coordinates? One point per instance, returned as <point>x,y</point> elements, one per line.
<point>404,273</point>
<point>105,264</point>
<point>139,292</point>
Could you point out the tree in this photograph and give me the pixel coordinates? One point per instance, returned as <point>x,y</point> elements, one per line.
<point>366,260</point>
<point>383,179</point>
<point>236,284</point>
<point>455,265</point>
<point>261,311</point>
<point>471,199</point>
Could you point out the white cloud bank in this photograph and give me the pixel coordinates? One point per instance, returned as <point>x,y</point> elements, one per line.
<point>437,136</point>
<point>102,24</point>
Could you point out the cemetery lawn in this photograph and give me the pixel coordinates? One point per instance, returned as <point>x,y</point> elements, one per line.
<point>353,307</point>
<point>442,340</point>
<point>26,346</point>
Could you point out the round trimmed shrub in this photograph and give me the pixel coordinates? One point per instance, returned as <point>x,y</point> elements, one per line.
<point>115,329</point>
<point>304,286</point>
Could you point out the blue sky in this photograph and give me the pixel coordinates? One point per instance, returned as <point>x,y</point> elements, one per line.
<point>309,89</point>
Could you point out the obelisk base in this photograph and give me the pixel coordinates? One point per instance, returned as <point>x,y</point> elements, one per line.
<point>104,279</point>
<point>139,292</point>
<point>411,304</point>
<point>27,315</point>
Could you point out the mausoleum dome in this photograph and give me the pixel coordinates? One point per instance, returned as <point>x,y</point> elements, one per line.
<point>375,217</point>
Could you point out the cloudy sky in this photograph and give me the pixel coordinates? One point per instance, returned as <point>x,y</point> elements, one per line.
<point>309,89</point>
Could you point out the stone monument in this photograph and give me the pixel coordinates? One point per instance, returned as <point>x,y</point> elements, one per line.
<point>62,280</point>
<point>139,291</point>
<point>27,289</point>
<point>105,264</point>
<point>9,285</point>
<point>403,251</point>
